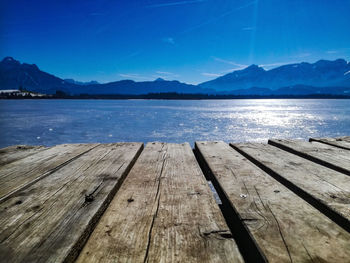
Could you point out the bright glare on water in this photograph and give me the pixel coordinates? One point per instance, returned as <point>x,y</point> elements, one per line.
<point>50,122</point>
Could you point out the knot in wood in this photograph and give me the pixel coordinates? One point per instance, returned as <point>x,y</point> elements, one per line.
<point>89,198</point>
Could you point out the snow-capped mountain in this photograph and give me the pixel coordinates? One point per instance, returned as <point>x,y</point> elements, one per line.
<point>323,73</point>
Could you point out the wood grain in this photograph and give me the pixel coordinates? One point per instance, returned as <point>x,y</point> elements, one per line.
<point>22,173</point>
<point>284,226</point>
<point>164,212</point>
<point>335,158</point>
<point>325,186</point>
<point>50,220</point>
<point>14,153</point>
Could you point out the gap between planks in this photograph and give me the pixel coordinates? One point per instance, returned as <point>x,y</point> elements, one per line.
<point>282,225</point>
<point>51,219</point>
<point>325,189</point>
<point>163,212</point>
<point>329,156</point>
<point>337,142</point>
<point>23,173</point>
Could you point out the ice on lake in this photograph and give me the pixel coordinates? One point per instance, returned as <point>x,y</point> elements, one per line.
<point>50,122</point>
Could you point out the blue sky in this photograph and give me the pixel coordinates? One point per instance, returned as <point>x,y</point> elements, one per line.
<point>189,40</point>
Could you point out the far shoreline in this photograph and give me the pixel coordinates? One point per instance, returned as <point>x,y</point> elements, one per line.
<point>169,96</point>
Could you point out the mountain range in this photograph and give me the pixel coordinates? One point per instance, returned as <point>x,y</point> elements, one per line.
<point>321,77</point>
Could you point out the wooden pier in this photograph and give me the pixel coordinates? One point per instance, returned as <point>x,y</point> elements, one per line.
<point>285,201</point>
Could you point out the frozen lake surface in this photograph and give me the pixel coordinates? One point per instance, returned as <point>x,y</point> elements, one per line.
<point>50,122</point>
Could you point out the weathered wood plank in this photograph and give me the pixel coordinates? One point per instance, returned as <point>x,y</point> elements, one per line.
<point>284,226</point>
<point>24,172</point>
<point>344,138</point>
<point>329,190</point>
<point>337,142</point>
<point>335,158</point>
<point>51,220</point>
<point>164,212</point>
<point>14,153</point>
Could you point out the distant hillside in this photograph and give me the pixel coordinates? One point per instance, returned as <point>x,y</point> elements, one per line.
<point>15,75</point>
<point>132,87</point>
<point>320,75</point>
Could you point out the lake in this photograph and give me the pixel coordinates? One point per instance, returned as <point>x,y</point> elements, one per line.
<point>50,122</point>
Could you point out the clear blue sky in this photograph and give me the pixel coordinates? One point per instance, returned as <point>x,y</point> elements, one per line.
<point>188,40</point>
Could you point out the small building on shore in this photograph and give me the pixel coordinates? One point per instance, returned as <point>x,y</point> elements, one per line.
<point>10,93</point>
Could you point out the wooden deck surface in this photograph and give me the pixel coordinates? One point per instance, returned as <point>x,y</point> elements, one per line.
<point>285,201</point>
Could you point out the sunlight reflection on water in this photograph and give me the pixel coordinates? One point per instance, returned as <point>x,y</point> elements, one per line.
<point>50,122</point>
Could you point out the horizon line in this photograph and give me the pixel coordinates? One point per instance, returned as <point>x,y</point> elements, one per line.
<point>165,78</point>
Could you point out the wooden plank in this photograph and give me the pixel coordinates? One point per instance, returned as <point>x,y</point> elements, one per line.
<point>14,153</point>
<point>335,158</point>
<point>343,144</point>
<point>344,138</point>
<point>51,220</point>
<point>164,212</point>
<point>284,226</point>
<point>326,189</point>
<point>22,173</point>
